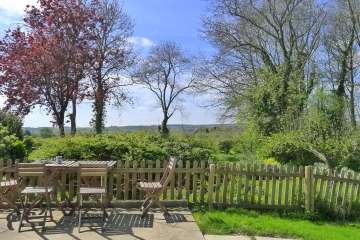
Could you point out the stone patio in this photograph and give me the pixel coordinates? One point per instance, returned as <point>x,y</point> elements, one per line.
<point>123,224</point>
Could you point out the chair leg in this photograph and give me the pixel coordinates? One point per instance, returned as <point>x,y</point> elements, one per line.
<point>45,217</point>
<point>80,206</point>
<point>105,215</point>
<point>23,213</point>
<point>145,203</point>
<point>162,207</point>
<point>21,220</point>
<point>48,205</point>
<point>146,209</point>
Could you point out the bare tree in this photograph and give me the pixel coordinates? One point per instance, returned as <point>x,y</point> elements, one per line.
<point>112,55</point>
<point>166,72</point>
<point>340,44</point>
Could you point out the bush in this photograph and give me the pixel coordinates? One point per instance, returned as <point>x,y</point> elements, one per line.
<point>12,122</point>
<point>226,145</point>
<point>46,132</point>
<point>330,213</point>
<point>11,147</point>
<point>122,146</point>
<point>289,147</point>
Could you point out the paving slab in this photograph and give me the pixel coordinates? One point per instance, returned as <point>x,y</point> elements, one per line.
<point>123,224</point>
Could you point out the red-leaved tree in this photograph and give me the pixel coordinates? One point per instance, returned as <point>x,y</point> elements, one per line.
<point>45,63</point>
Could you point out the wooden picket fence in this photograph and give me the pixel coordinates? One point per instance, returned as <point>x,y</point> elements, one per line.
<point>229,184</point>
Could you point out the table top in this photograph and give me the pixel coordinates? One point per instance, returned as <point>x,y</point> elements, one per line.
<point>74,164</point>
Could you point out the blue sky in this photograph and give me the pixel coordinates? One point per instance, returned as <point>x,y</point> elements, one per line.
<point>155,21</point>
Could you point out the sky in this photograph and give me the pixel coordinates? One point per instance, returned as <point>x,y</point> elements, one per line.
<point>155,21</point>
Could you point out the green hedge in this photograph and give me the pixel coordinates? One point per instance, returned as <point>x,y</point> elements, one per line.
<point>123,146</point>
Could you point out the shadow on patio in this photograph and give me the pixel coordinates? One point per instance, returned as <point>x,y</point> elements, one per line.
<point>122,224</point>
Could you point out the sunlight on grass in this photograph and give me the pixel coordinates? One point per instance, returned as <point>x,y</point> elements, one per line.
<point>253,223</point>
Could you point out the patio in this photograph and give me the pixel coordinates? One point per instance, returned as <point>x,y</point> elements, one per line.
<point>122,224</point>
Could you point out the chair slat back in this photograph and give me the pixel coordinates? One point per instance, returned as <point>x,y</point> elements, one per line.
<point>31,169</point>
<point>169,171</point>
<point>93,170</point>
<point>90,170</point>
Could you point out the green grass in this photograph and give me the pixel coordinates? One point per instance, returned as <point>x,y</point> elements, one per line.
<point>269,224</point>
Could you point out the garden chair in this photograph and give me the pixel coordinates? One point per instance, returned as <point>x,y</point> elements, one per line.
<point>98,193</point>
<point>9,191</point>
<point>153,190</point>
<point>39,194</point>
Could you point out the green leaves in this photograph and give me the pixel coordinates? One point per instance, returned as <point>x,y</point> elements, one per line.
<point>11,147</point>
<point>123,146</point>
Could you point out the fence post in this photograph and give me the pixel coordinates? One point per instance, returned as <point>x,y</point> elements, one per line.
<point>211,185</point>
<point>309,195</point>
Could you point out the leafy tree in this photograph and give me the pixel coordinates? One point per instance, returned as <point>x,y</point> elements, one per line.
<point>12,122</point>
<point>11,147</point>
<point>111,56</point>
<point>44,64</point>
<point>281,36</point>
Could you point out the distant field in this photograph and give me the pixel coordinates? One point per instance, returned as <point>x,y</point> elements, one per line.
<point>175,127</point>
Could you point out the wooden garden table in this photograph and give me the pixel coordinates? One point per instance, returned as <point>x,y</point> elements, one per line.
<point>55,171</point>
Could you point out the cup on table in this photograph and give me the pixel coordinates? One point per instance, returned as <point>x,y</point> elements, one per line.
<point>59,159</point>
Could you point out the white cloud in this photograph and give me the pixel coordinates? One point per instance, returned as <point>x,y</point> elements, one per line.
<point>141,42</point>
<point>15,7</point>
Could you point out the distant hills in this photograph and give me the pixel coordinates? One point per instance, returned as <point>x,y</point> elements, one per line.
<point>177,127</point>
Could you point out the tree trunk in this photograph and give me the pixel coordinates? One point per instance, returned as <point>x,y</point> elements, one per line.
<point>73,117</point>
<point>99,108</point>
<point>60,122</point>
<point>164,128</point>
<point>352,93</point>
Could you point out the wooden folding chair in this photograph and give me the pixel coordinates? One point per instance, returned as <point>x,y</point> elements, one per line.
<point>153,190</point>
<point>9,192</point>
<point>40,193</point>
<point>98,193</point>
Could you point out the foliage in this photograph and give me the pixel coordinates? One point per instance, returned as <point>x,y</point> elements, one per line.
<point>267,108</point>
<point>248,142</point>
<point>111,55</point>
<point>46,132</point>
<point>123,146</point>
<point>232,221</point>
<point>12,122</point>
<point>11,147</point>
<point>43,65</point>
<point>289,147</point>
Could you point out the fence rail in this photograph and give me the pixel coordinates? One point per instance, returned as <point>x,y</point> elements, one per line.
<point>227,184</point>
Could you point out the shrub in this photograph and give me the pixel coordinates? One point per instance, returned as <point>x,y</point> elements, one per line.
<point>11,147</point>
<point>122,146</point>
<point>46,132</point>
<point>12,122</point>
<point>226,145</point>
<point>289,147</point>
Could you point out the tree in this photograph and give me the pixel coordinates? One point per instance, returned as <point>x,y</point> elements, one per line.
<point>165,72</point>
<point>340,68</point>
<point>45,64</point>
<point>11,147</point>
<point>12,122</point>
<point>281,37</point>
<point>111,55</point>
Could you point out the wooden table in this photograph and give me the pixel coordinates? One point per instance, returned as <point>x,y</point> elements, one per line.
<point>55,170</point>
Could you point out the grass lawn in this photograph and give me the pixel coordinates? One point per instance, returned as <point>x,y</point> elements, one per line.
<point>269,224</point>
